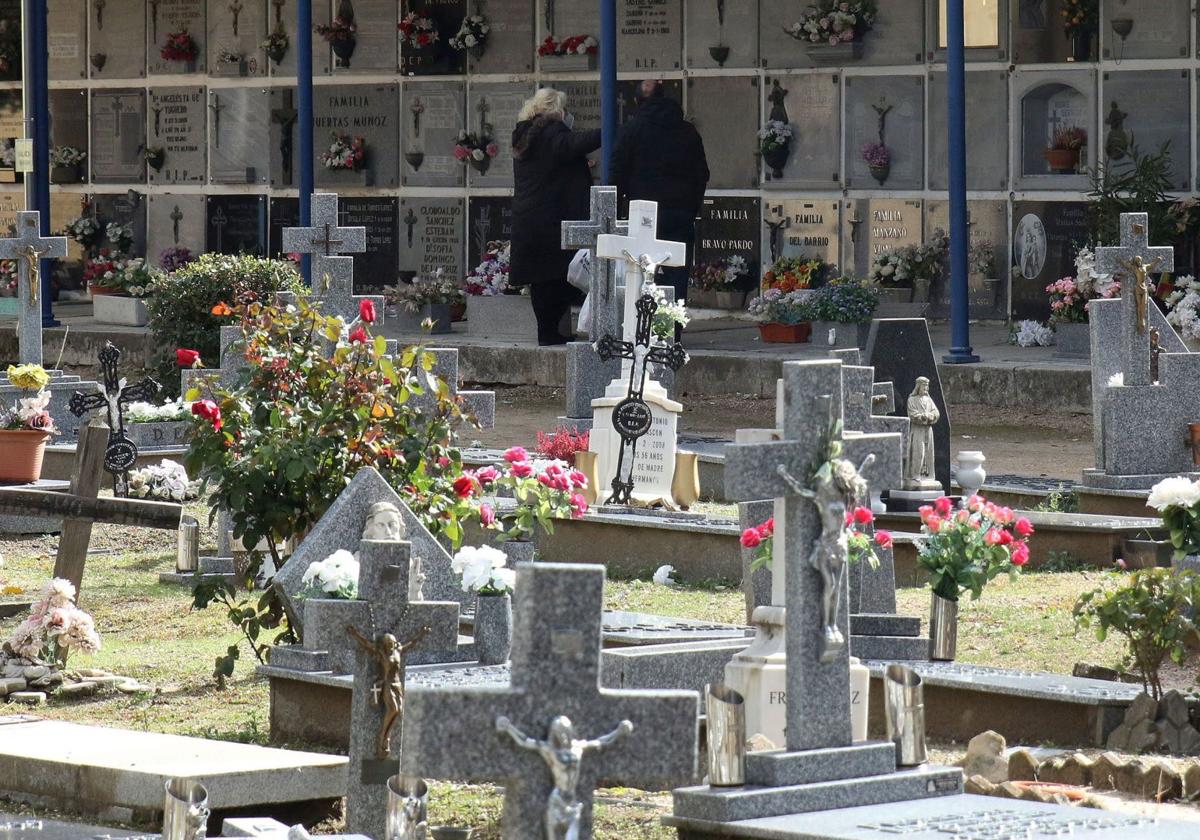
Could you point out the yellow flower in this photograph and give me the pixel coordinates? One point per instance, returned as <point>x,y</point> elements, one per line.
<point>28,377</point>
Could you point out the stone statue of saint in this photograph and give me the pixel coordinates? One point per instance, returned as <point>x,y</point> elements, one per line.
<point>563,753</point>
<point>920,463</point>
<point>1116,145</point>
<point>384,522</point>
<point>777,97</point>
<point>389,688</point>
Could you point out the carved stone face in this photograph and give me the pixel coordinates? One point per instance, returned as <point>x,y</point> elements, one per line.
<point>384,523</point>
<point>922,388</point>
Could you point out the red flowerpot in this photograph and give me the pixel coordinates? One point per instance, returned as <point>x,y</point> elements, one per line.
<point>785,333</point>
<point>21,452</point>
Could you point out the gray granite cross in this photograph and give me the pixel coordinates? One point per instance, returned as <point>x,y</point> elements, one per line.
<point>383,578</point>
<point>818,708</point>
<point>1135,298</point>
<point>27,249</point>
<point>606,316</point>
<point>451,733</point>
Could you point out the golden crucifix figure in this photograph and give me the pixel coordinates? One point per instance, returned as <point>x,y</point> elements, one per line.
<point>31,256</point>
<point>1139,274</point>
<point>389,655</point>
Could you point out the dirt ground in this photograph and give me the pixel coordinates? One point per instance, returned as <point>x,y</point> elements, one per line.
<point>1017,443</point>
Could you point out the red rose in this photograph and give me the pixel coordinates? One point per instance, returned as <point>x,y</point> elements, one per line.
<point>1020,555</point>
<point>883,539</point>
<point>863,515</point>
<point>358,335</point>
<point>187,358</point>
<point>751,538</point>
<point>943,506</point>
<point>208,410</point>
<point>768,527</point>
<point>366,311</point>
<point>1024,527</point>
<point>464,486</point>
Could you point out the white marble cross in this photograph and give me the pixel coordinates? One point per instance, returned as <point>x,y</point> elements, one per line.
<point>27,248</point>
<point>642,249</point>
<point>1135,302</point>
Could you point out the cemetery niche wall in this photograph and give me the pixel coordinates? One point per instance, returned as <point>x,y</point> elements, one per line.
<point>127,74</point>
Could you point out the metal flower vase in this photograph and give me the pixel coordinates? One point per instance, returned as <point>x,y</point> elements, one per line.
<point>185,810</point>
<point>904,708</point>
<point>726,712</point>
<point>493,628</point>
<point>407,808</point>
<point>943,628</point>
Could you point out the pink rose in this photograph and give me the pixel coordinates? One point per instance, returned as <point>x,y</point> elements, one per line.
<point>492,150</point>
<point>487,475</point>
<point>487,515</point>
<point>522,470</point>
<point>883,539</point>
<point>516,453</point>
<point>579,505</point>
<point>578,479</point>
<point>1020,555</point>
<point>1023,527</point>
<point>943,506</point>
<point>863,515</point>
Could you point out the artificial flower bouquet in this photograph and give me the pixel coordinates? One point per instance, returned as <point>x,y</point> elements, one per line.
<point>166,481</point>
<point>345,153</point>
<point>472,34</point>
<point>720,275</point>
<point>417,31</point>
<point>29,414</point>
<point>484,570</point>
<point>571,45</point>
<point>55,627</point>
<point>426,290</point>
<point>834,22</point>
<point>775,306</point>
<point>490,277</point>
<point>180,46</point>
<point>544,490</point>
<point>1070,296</point>
<point>789,274</point>
<point>963,549</point>
<point>334,577</point>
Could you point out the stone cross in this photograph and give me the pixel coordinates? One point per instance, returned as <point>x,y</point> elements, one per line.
<point>605,319</point>
<point>452,733</point>
<point>818,708</point>
<point>384,570</point>
<point>1132,259</point>
<point>27,248</point>
<point>333,275</point>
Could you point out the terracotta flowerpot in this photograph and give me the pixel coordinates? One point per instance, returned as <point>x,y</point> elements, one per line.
<point>104,290</point>
<point>1062,161</point>
<point>785,333</point>
<point>21,454</point>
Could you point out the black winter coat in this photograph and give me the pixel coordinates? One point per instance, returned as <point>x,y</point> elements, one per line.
<point>660,157</point>
<point>552,184</point>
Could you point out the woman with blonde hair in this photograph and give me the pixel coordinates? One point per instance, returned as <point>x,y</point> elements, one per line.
<point>552,181</point>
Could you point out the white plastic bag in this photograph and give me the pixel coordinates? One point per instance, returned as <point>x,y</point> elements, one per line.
<point>579,274</point>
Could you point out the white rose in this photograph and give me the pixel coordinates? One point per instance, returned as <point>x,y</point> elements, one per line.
<point>1174,492</point>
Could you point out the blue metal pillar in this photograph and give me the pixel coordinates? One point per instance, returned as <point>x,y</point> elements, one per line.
<point>960,233</point>
<point>608,84</point>
<point>304,104</point>
<point>37,104</point>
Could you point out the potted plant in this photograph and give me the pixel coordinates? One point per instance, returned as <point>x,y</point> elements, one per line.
<point>66,164</point>
<point>1063,154</point>
<point>576,52</point>
<point>175,257</point>
<point>233,60</point>
<point>472,35</point>
<point>668,316</point>
<point>26,426</point>
<point>563,444</point>
<point>878,158</point>
<point>346,153</point>
<point>841,312</point>
<point>181,46</point>
<point>85,230</point>
<point>903,277</point>
<point>125,283</point>
<point>832,30</point>
<point>152,426</point>
<point>714,284</point>
<point>791,273</point>
<point>775,143</point>
<point>476,148</point>
<point>963,550</point>
<point>276,44</point>
<point>341,34</point>
<point>1081,20</point>
<point>1183,310</point>
<point>429,298</point>
<point>783,316</point>
<point>484,572</point>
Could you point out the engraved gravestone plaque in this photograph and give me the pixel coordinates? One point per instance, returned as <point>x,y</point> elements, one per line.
<point>344,113</point>
<point>510,43</point>
<point>437,59</point>
<point>1037,32</point>
<point>725,112</point>
<point>493,113</point>
<point>177,120</point>
<point>729,227</point>
<point>175,221</point>
<point>235,224</point>
<point>1151,108</point>
<point>170,19</point>
<point>811,105</point>
<point>282,17</point>
<point>627,96</point>
<point>239,131</point>
<point>649,35</point>
<point>987,257</point>
<point>891,110</point>
<point>431,116</point>
<point>1046,236</point>
<point>564,18</point>
<point>236,29</point>
<point>285,213</point>
<point>431,236</point>
<point>375,43</point>
<point>123,208</point>
<point>583,100</point>
<point>11,203</point>
<point>1145,28</point>
<point>377,267</point>
<point>987,130</point>
<point>117,39</point>
<point>722,33</point>
<point>118,136</point>
<point>12,127</point>
<point>10,41</point>
<point>284,136</point>
<point>490,221</point>
<point>802,227</point>
<point>897,37</point>
<point>69,128</point>
<point>875,226</point>
<point>66,39</point>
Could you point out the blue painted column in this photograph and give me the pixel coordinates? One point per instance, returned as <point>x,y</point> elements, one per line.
<point>956,121</point>
<point>608,84</point>
<point>37,104</point>
<point>304,104</point>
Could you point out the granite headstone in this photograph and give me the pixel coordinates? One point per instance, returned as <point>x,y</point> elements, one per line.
<point>236,224</point>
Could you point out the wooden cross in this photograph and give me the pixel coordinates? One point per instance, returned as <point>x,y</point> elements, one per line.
<point>80,506</point>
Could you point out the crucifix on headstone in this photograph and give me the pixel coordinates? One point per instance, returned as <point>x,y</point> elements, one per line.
<point>483,109</point>
<point>554,696</point>
<point>416,109</point>
<point>548,8</point>
<point>99,6</point>
<point>216,107</point>
<point>410,223</point>
<point>121,452</point>
<point>777,228</point>
<point>285,118</point>
<point>154,24</point>
<point>278,4</point>
<point>118,107</point>
<point>157,109</point>
<point>1134,259</point>
<point>176,217</point>
<point>235,8</point>
<point>605,318</point>
<point>26,249</point>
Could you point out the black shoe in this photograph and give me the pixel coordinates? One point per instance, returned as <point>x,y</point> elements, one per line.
<point>553,342</point>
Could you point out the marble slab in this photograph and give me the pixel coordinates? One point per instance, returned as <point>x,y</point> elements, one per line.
<point>165,18</point>
<point>236,224</point>
<point>117,39</point>
<point>987,130</point>
<point>903,131</point>
<point>66,39</point>
<point>489,219</point>
<point>510,44</point>
<point>236,28</point>
<point>239,132</point>
<point>366,111</point>
<point>721,33</point>
<point>1155,103</point>
<point>376,268</point>
<point>437,59</point>
<point>802,227</point>
<point>177,121</point>
<point>282,15</point>
<point>649,35</point>
<point>118,136</point>
<point>725,112</point>
<point>432,236</point>
<point>376,48</point>
<point>497,107</point>
<point>69,123</point>
<point>431,116</point>
<point>175,221</point>
<point>812,106</point>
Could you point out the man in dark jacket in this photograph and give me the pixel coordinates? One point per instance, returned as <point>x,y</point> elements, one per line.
<point>660,157</point>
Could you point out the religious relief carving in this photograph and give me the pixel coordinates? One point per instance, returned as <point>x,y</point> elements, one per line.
<point>388,691</point>
<point>384,522</point>
<point>563,754</point>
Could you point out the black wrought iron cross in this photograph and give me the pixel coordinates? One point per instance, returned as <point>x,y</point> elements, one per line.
<point>632,418</point>
<point>121,453</point>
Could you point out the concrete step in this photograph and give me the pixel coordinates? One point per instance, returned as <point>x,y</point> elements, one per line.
<point>889,648</point>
